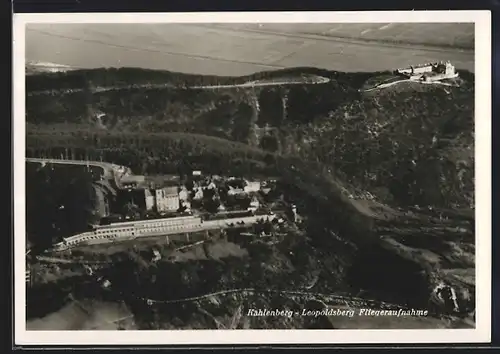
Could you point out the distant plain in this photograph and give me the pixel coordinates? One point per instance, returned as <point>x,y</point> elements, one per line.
<point>242,49</point>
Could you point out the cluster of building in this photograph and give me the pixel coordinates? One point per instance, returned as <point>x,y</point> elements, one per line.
<point>228,193</point>
<point>429,71</point>
<point>127,206</point>
<point>172,196</point>
<point>141,206</point>
<point>162,207</point>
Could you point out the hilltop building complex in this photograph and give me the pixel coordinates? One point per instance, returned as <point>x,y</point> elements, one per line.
<point>429,72</point>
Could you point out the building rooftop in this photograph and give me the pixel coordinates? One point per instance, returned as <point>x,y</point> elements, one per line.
<point>170,190</point>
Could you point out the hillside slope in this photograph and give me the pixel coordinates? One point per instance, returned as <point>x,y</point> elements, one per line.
<point>383,179</point>
<point>408,144</point>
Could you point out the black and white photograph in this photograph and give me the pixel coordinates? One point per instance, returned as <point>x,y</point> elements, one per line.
<point>197,177</point>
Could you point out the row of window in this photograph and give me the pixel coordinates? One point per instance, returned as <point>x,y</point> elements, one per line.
<point>180,219</point>
<point>149,225</point>
<point>169,223</point>
<point>168,228</point>
<point>113,231</point>
<point>160,227</point>
<point>88,238</point>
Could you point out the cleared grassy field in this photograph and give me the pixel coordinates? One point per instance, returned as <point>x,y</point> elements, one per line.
<point>88,315</point>
<point>241,49</point>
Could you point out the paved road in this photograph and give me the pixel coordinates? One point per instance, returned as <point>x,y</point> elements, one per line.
<point>345,300</point>
<point>225,223</point>
<point>109,168</point>
<point>105,165</point>
<point>318,80</point>
<point>47,259</point>
<point>251,84</point>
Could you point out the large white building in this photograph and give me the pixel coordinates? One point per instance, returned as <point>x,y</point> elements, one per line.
<point>167,199</point>
<point>133,229</point>
<point>436,71</point>
<point>156,227</point>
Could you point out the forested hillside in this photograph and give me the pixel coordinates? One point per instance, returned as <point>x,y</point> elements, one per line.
<point>408,144</point>
<point>384,178</point>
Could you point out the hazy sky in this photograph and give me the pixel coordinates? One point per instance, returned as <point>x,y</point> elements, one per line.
<point>238,49</point>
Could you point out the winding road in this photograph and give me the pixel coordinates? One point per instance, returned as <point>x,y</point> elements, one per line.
<point>346,300</point>
<point>349,301</point>
<point>333,300</point>
<point>107,167</point>
<point>318,80</point>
